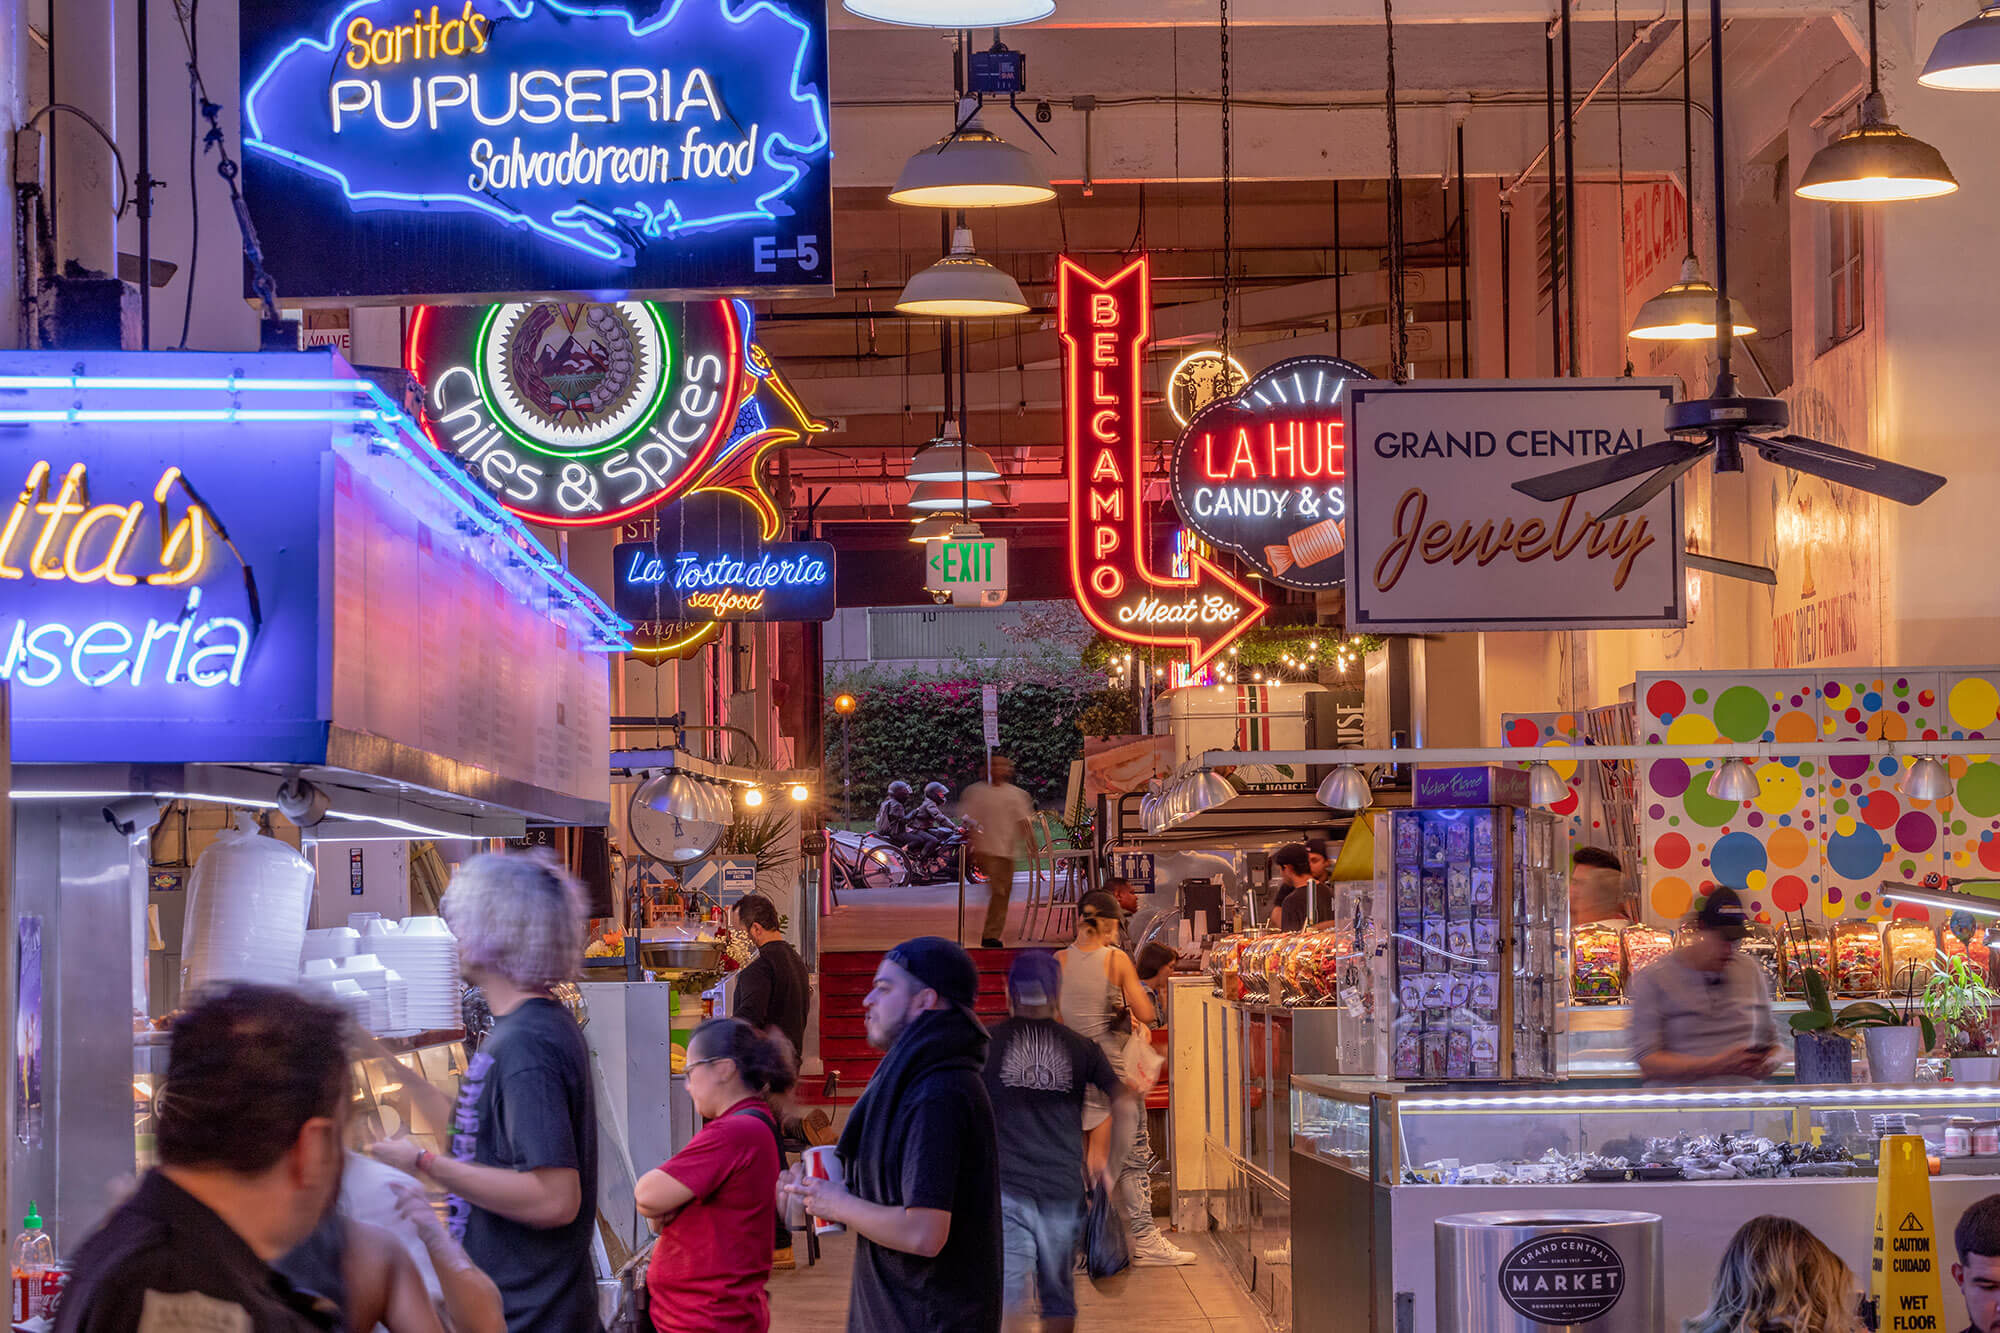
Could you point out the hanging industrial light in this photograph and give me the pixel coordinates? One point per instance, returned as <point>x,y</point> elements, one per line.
<point>954,497</point>
<point>954,14</point>
<point>1208,789</point>
<point>675,794</point>
<point>949,458</point>
<point>1875,162</point>
<point>1545,785</point>
<point>1344,789</point>
<point>1927,780</point>
<point>1685,311</point>
<point>1736,781</point>
<point>933,527</point>
<point>962,286</point>
<point>971,167</point>
<point>1967,58</point>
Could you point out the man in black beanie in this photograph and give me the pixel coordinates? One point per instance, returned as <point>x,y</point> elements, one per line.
<point>923,1179</point>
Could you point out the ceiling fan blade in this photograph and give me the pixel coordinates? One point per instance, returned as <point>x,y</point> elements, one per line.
<point>1877,476</point>
<point>1642,495</point>
<point>1565,482</point>
<point>1730,569</point>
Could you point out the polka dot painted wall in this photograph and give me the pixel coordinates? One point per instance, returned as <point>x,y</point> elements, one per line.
<point>1577,806</point>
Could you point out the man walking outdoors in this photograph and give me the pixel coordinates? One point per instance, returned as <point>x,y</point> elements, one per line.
<point>1000,813</point>
<point>249,1125</point>
<point>923,1187</point>
<point>1036,1074</point>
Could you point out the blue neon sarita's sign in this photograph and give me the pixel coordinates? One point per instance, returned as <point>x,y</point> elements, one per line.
<point>705,559</point>
<point>565,146</point>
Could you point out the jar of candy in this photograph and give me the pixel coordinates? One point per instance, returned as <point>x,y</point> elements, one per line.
<point>1760,946</point>
<point>1802,945</point>
<point>1643,946</point>
<point>1913,951</point>
<point>1595,965</point>
<point>1857,958</point>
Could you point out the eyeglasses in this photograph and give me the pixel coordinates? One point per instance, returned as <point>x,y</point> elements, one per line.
<point>713,1059</point>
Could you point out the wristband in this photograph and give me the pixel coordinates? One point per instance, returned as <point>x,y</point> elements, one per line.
<point>424,1159</point>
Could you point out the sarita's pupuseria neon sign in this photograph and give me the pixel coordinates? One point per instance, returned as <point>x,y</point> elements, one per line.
<point>712,114</point>
<point>54,534</point>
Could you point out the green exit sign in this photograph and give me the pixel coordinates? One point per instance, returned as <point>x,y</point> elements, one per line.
<point>972,569</point>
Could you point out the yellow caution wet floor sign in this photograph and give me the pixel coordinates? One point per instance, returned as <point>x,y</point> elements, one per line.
<point>1904,1280</point>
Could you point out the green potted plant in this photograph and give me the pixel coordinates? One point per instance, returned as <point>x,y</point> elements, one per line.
<point>1895,1034</point>
<point>1960,1003</point>
<point>1821,1052</point>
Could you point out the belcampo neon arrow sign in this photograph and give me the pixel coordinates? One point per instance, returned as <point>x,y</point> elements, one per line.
<point>1105,326</point>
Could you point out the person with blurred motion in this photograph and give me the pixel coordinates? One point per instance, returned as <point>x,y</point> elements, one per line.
<point>1102,999</point>
<point>1597,888</point>
<point>1977,1272</point>
<point>1154,964</point>
<point>248,1123</point>
<point>365,1270</point>
<point>922,1193</point>
<point>523,1163</point>
<point>1702,1013</point>
<point>1001,815</point>
<point>1037,1072</point>
<point>1777,1275</point>
<point>712,1202</point>
<point>1294,866</point>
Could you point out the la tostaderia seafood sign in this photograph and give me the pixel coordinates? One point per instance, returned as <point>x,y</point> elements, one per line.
<point>1438,538</point>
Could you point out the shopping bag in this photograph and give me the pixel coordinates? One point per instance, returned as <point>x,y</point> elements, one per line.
<point>1107,1244</point>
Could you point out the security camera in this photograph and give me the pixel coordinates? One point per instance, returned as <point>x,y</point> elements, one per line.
<point>132,814</point>
<point>1043,114</point>
<point>941,597</point>
<point>302,803</point>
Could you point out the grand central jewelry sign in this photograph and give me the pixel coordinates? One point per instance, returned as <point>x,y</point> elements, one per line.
<point>1438,539</point>
<point>480,147</point>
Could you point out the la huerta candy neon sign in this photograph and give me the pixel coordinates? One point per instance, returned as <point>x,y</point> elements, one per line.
<point>594,130</point>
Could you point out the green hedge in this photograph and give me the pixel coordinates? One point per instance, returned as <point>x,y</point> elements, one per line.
<point>928,729</point>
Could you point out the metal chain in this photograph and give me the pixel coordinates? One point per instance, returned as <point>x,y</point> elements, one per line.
<point>1228,188</point>
<point>1399,333</point>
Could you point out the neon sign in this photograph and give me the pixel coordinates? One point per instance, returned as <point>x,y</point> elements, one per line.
<point>578,414</point>
<point>1263,474</point>
<point>537,145</point>
<point>1105,327</point>
<point>706,558</point>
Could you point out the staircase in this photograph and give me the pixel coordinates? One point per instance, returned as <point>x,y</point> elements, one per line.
<point>844,980</point>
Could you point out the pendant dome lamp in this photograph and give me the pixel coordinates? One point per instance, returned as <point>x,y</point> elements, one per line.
<point>933,527</point>
<point>953,497</point>
<point>1967,58</point>
<point>949,458</point>
<point>971,167</point>
<point>1685,310</point>
<point>1875,162</point>
<point>962,286</point>
<point>953,14</point>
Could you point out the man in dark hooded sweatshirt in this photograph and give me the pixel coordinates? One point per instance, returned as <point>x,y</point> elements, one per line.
<point>923,1179</point>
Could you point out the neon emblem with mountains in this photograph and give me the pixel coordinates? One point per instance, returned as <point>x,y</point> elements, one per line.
<point>590,127</point>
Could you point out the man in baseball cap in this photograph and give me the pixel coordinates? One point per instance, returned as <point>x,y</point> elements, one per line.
<point>1702,1014</point>
<point>923,1184</point>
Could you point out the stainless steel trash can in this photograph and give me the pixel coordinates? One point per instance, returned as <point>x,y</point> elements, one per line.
<point>1586,1270</point>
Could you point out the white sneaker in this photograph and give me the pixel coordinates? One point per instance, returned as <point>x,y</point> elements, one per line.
<point>1156,1251</point>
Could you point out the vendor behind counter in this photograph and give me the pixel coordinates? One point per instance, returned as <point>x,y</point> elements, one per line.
<point>1702,1014</point>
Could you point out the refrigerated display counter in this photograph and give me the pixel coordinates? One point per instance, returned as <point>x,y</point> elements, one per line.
<point>1375,1165</point>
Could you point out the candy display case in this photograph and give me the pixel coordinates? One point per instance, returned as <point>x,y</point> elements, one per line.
<point>1912,953</point>
<point>1857,959</point>
<point>1642,947</point>
<point>1976,942</point>
<point>1760,946</point>
<point>1802,945</point>
<point>1377,1163</point>
<point>1596,972</point>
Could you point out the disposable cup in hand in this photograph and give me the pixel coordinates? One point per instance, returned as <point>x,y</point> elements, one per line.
<point>823,1163</point>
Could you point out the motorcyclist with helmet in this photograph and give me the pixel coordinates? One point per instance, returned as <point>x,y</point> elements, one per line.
<point>892,817</point>
<point>928,827</point>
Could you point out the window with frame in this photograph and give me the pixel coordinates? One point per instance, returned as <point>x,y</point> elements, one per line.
<point>1844,294</point>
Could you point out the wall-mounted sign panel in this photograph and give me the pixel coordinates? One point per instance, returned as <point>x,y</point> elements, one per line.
<point>972,569</point>
<point>707,561</point>
<point>486,148</point>
<point>1263,474</point>
<point>578,413</point>
<point>1438,539</point>
<point>1106,325</point>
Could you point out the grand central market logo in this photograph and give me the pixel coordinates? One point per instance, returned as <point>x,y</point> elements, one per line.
<point>595,129</point>
<point>579,413</point>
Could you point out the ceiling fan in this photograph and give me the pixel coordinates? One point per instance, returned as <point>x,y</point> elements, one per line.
<point>1723,425</point>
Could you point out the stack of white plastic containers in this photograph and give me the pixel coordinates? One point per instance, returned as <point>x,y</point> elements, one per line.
<point>248,902</point>
<point>398,979</point>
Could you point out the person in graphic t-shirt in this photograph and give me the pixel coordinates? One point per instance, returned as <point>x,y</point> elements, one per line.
<point>523,1164</point>
<point>1036,1073</point>
<point>713,1202</point>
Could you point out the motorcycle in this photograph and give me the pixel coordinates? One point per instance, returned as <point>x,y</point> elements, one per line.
<point>867,860</point>
<point>942,863</point>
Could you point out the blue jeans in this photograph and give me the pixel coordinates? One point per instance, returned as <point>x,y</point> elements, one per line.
<point>1038,1240</point>
<point>1135,1181</point>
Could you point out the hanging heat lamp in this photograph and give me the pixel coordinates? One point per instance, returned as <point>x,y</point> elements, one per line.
<point>1967,58</point>
<point>962,286</point>
<point>971,167</point>
<point>949,458</point>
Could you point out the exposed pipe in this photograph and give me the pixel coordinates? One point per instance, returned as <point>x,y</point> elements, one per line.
<point>1638,36</point>
<point>1464,268</point>
<point>1569,193</point>
<point>1555,258</point>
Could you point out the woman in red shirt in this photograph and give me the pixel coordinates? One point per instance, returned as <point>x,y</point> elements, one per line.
<point>714,1202</point>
